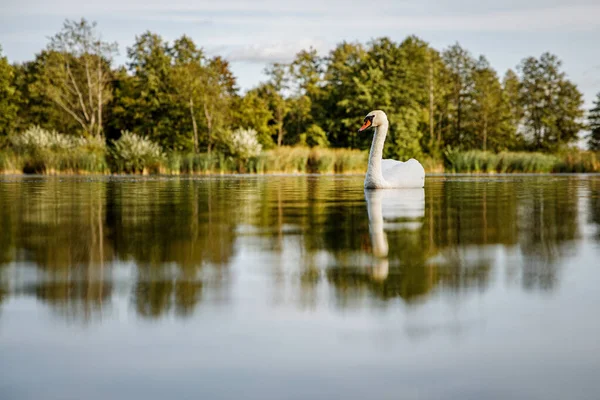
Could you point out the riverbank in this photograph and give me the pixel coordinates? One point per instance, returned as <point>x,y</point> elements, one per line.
<point>287,160</point>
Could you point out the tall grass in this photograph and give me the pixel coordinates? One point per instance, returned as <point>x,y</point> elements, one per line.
<point>308,160</point>
<point>40,151</point>
<point>579,162</point>
<point>514,162</point>
<point>178,163</point>
<point>10,163</point>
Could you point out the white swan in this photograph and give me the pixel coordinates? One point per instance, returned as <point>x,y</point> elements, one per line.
<point>384,174</point>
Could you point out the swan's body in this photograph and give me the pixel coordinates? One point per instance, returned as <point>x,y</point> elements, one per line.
<point>385,174</point>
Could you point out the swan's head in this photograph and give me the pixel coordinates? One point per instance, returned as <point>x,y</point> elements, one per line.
<point>373,119</point>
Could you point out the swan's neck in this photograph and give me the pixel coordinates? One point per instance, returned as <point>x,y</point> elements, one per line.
<point>374,178</point>
<point>375,213</point>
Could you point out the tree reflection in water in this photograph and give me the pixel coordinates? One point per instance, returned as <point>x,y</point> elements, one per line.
<point>78,244</point>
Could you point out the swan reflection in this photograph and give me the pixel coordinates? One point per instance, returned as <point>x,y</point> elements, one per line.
<point>394,210</point>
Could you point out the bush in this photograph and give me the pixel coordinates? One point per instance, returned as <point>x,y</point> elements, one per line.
<point>42,151</point>
<point>314,136</point>
<point>134,154</point>
<point>243,144</point>
<point>36,139</point>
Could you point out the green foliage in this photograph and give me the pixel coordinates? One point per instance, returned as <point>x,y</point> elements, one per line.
<point>594,125</point>
<point>134,154</point>
<point>552,105</point>
<point>404,138</point>
<point>8,101</point>
<point>76,74</point>
<point>314,136</point>
<point>252,112</point>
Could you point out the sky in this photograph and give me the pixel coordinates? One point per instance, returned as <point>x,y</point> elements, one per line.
<point>252,34</point>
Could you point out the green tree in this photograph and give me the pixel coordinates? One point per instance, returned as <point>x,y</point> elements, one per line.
<point>188,77</point>
<point>552,105</point>
<point>461,67</point>
<point>8,103</point>
<point>342,113</point>
<point>274,90</point>
<point>34,107</point>
<point>511,86</point>
<point>594,125</point>
<point>77,74</point>
<point>252,112</point>
<point>492,118</point>
<point>305,84</point>
<point>219,88</point>
<point>145,103</point>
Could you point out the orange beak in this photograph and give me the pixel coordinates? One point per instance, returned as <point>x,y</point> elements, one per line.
<point>366,125</point>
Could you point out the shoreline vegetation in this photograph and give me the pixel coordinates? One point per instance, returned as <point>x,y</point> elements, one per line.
<point>171,110</point>
<point>38,151</point>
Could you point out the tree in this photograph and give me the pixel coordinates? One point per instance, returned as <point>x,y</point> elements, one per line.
<point>8,104</point>
<point>275,90</point>
<point>594,125</point>
<point>511,86</point>
<point>252,112</point>
<point>188,78</point>
<point>461,66</point>
<point>491,119</point>
<point>552,105</point>
<point>342,113</point>
<point>218,89</point>
<point>146,105</point>
<point>305,84</point>
<point>77,74</point>
<point>33,105</point>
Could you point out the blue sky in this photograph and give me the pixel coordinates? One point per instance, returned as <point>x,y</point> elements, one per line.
<point>253,33</point>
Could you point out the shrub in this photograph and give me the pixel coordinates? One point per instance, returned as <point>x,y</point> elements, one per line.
<point>314,136</point>
<point>42,151</point>
<point>243,144</point>
<point>36,139</point>
<point>134,154</point>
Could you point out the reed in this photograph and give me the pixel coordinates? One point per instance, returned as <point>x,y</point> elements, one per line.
<point>505,162</point>
<point>40,151</point>
<point>578,162</point>
<point>10,163</point>
<point>203,163</point>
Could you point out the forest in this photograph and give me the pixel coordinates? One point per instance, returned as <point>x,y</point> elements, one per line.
<point>173,109</point>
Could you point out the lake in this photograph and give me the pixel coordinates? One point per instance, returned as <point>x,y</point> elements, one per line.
<point>299,287</point>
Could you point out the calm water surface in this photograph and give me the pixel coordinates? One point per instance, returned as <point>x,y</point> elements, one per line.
<point>299,287</point>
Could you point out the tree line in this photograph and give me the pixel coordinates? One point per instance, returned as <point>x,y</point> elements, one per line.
<point>177,96</point>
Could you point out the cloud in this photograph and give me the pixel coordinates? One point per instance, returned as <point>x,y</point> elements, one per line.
<point>271,52</point>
